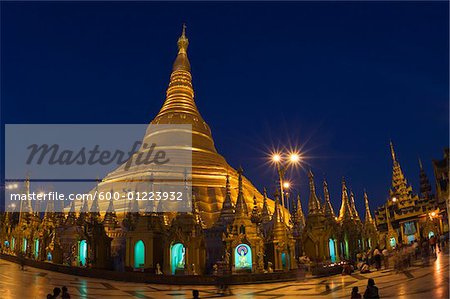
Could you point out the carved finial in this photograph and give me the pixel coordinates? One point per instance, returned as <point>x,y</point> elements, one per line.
<point>392,151</point>
<point>183,42</point>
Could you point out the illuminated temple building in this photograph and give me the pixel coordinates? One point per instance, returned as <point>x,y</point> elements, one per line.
<point>406,217</point>
<point>231,226</point>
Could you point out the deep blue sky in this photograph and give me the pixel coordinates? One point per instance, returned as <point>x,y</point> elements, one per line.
<point>337,79</point>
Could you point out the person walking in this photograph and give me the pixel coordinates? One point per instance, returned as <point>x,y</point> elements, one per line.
<point>355,293</point>
<point>371,290</point>
<point>377,258</point>
<point>385,254</point>
<point>433,245</point>
<point>442,241</point>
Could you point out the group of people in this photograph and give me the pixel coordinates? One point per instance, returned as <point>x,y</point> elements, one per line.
<point>57,292</point>
<point>370,293</point>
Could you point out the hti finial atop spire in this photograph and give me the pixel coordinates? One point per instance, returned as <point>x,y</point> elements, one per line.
<point>420,164</point>
<point>183,42</point>
<point>392,151</point>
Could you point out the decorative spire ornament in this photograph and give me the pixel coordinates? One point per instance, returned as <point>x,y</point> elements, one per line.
<point>314,202</point>
<point>328,208</point>
<point>345,212</point>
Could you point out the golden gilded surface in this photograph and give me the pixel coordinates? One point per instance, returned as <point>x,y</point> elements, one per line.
<point>209,168</point>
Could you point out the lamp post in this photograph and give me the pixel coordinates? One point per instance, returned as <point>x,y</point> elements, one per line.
<point>282,163</point>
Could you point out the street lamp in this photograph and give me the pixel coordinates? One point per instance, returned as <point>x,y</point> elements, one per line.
<point>283,162</point>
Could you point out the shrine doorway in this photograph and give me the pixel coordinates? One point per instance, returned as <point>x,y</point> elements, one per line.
<point>177,257</point>
<point>243,257</point>
<point>139,254</point>
<point>82,253</point>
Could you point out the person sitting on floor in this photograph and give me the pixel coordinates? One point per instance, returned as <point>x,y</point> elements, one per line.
<point>371,290</point>
<point>365,268</point>
<point>355,293</point>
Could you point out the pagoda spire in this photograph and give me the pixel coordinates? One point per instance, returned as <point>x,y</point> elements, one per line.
<point>425,187</point>
<point>256,212</point>
<point>241,205</point>
<point>110,219</point>
<point>196,212</point>
<point>314,203</point>
<point>328,207</point>
<point>72,215</point>
<point>353,206</point>
<point>180,94</point>
<point>179,106</point>
<point>95,209</point>
<point>265,214</point>
<point>400,188</point>
<point>277,216</point>
<point>368,216</point>
<point>27,208</point>
<point>227,212</point>
<point>299,211</point>
<point>346,211</point>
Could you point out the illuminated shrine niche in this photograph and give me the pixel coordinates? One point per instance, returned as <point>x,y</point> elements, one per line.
<point>139,254</point>
<point>243,257</point>
<point>177,257</point>
<point>82,252</point>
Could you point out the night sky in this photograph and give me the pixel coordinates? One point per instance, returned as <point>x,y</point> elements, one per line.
<point>336,80</point>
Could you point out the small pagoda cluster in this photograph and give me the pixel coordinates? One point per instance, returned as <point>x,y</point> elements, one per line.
<point>330,237</point>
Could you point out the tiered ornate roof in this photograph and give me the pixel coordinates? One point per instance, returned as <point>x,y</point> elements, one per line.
<point>400,188</point>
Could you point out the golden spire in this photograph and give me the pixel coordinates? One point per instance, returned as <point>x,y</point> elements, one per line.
<point>314,203</point>
<point>241,205</point>
<point>400,188</point>
<point>265,214</point>
<point>277,216</point>
<point>346,212</point>
<point>353,206</point>
<point>299,211</point>
<point>368,216</point>
<point>328,208</point>
<point>227,213</point>
<point>392,151</point>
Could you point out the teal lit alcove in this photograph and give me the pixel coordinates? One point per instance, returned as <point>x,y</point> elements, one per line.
<point>82,252</point>
<point>243,257</point>
<point>36,248</point>
<point>177,257</point>
<point>24,245</point>
<point>139,254</point>
<point>332,250</point>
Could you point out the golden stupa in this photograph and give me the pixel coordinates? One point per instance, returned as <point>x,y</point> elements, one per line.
<point>209,168</point>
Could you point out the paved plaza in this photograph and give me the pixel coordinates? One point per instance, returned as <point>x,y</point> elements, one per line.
<point>417,282</point>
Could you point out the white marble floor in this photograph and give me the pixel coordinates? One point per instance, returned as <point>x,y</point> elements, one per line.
<point>418,282</point>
